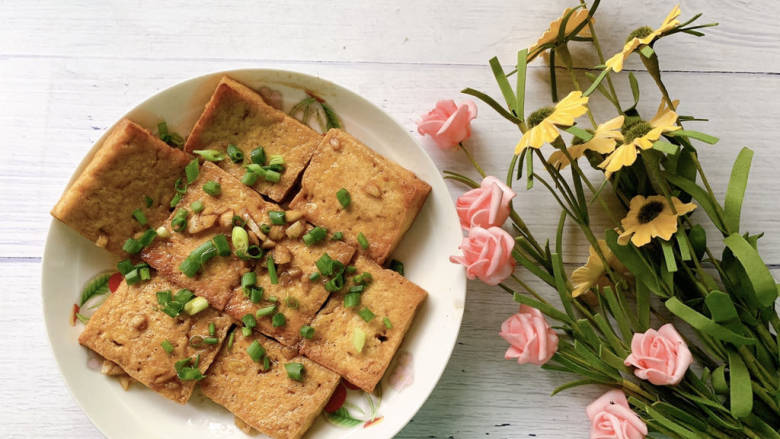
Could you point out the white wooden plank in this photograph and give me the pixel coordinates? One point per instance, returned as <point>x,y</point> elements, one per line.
<point>439,31</point>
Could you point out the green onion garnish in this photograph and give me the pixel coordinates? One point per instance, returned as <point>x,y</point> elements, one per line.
<point>211,155</point>
<point>249,178</point>
<point>133,277</point>
<point>358,339</point>
<point>187,370</point>
<point>248,279</point>
<point>167,346</point>
<point>335,283</point>
<point>140,216</point>
<point>175,200</point>
<point>197,206</point>
<point>265,228</point>
<point>351,300</point>
<point>387,323</point>
<point>196,305</point>
<point>221,243</point>
<point>246,332</point>
<point>192,170</point>
<point>344,197</point>
<point>253,252</point>
<point>272,176</point>
<point>147,237</point>
<point>357,289</point>
<point>257,155</point>
<point>363,278</point>
<point>249,321</point>
<point>212,188</point>
<point>276,159</point>
<point>125,266</point>
<point>366,314</point>
<point>240,240</point>
<point>338,236</point>
<point>277,217</point>
<point>163,297</point>
<point>294,371</point>
<point>266,363</point>
<point>361,238</point>
<point>255,294</point>
<point>278,320</point>
<point>149,202</point>
<point>145,273</point>
<point>211,340</point>
<point>197,258</point>
<point>351,269</point>
<point>273,299</point>
<point>255,351</point>
<point>179,220</point>
<point>230,340</point>
<point>238,221</point>
<point>291,302</point>
<point>314,276</point>
<point>212,329</point>
<point>190,266</point>
<point>307,331</point>
<point>397,266</point>
<point>268,310</point>
<point>235,154</point>
<point>325,264</point>
<point>315,235</point>
<point>272,270</point>
<point>132,246</point>
<point>183,296</point>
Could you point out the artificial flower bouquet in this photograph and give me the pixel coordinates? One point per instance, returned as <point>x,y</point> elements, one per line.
<point>687,339</point>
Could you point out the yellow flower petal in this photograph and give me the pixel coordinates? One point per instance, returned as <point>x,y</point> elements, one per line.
<point>551,34</point>
<point>616,62</point>
<point>537,136</point>
<point>569,108</point>
<point>624,155</point>
<point>662,225</point>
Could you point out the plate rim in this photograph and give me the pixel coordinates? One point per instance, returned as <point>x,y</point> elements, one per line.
<point>458,294</point>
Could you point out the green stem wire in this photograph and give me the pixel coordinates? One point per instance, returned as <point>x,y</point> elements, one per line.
<point>471,159</point>
<point>602,60</point>
<point>530,290</point>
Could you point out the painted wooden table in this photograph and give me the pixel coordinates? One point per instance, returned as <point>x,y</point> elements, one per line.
<point>68,70</point>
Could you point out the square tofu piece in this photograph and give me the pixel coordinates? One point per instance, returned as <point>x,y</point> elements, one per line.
<point>237,115</point>
<point>389,295</point>
<point>130,165</point>
<point>269,400</point>
<point>219,275</point>
<point>385,198</point>
<point>129,330</point>
<point>298,298</point>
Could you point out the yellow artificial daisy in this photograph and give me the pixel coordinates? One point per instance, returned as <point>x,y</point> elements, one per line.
<point>641,136</point>
<point>651,217</point>
<point>593,272</point>
<point>551,34</point>
<point>643,36</point>
<point>543,122</point>
<point>603,141</point>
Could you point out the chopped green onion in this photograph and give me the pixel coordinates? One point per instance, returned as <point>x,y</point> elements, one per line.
<point>266,363</point>
<point>272,176</point>
<point>149,202</point>
<point>210,340</point>
<point>343,197</point>
<point>197,258</point>
<point>255,294</point>
<point>221,243</point>
<point>183,296</point>
<point>140,216</point>
<point>179,220</point>
<point>257,155</point>
<point>255,351</point>
<point>125,266</point>
<point>315,235</point>
<point>212,329</point>
<point>294,371</point>
<point>163,297</point>
<point>366,314</point>
<point>253,252</point>
<point>211,155</point>
<point>145,273</point>
<point>248,279</point>
<point>273,299</point>
<point>240,239</point>
<point>387,323</point>
<point>147,237</point>
<point>132,246</point>
<point>167,346</point>
<point>265,228</point>
<point>397,266</point>
<point>230,340</point>
<point>351,300</point>
<point>335,283</point>
<point>291,302</point>
<point>180,186</point>
<point>212,188</point>
<point>307,332</point>
<point>133,277</point>
<point>196,305</point>
<point>255,169</point>
<point>276,159</point>
<point>274,168</point>
<point>163,232</point>
<point>268,310</point>
<point>361,238</point>
<point>277,217</point>
<point>162,129</point>
<point>325,264</point>
<point>357,288</point>
<point>246,332</point>
<point>351,269</point>
<point>235,154</point>
<point>197,206</point>
<point>314,276</point>
<point>192,170</point>
<point>190,266</point>
<point>187,370</point>
<point>238,221</point>
<point>175,200</point>
<point>272,270</point>
<point>338,236</point>
<point>278,320</point>
<point>358,339</point>
<point>249,321</point>
<point>249,178</point>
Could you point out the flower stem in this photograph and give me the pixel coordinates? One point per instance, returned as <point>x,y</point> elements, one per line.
<point>471,159</point>
<point>530,290</point>
<point>616,101</point>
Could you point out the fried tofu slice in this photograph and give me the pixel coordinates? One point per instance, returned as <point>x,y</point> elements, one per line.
<point>221,274</point>
<point>129,166</point>
<point>237,115</point>
<point>385,198</point>
<point>129,329</point>
<point>268,399</point>
<point>296,296</point>
<point>393,302</point>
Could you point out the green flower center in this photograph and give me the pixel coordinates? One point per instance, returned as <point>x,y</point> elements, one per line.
<point>538,116</point>
<point>640,33</point>
<point>650,211</point>
<point>638,129</point>
<point>628,122</point>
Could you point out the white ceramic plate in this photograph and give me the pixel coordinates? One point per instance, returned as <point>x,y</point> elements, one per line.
<point>70,260</point>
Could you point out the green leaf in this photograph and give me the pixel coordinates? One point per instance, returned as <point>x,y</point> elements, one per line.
<point>643,306</point>
<point>719,384</point>
<point>609,334</point>
<point>333,120</point>
<point>588,333</point>
<point>546,309</point>
<point>677,413</point>
<point>96,286</point>
<point>617,312</point>
<point>669,260</point>
<point>706,138</point>
<point>666,147</point>
<point>559,233</point>
<point>741,392</point>
<point>596,83</point>
<point>573,384</point>
<point>762,428</point>
<point>721,307</point>
<point>529,169</point>
<point>682,245</point>
<point>492,103</point>
<point>343,418</point>
<point>702,323</point>
<point>613,360</point>
<point>646,51</point>
<point>732,206</point>
<point>757,272</point>
<point>631,258</point>
<point>658,417</point>
<point>579,132</point>
<point>522,60</point>
<point>503,84</point>
<point>560,284</point>
<point>533,268</point>
<point>593,360</point>
<point>634,88</point>
<point>710,206</point>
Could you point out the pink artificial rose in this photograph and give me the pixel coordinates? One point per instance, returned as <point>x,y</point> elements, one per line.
<point>485,206</point>
<point>448,124</point>
<point>530,337</point>
<point>612,418</point>
<point>487,254</point>
<point>661,357</point>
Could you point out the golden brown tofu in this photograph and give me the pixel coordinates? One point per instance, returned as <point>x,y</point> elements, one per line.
<point>220,275</point>
<point>130,165</point>
<point>297,297</point>
<point>269,400</point>
<point>334,345</point>
<point>237,115</point>
<point>385,198</point>
<point>129,329</point>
